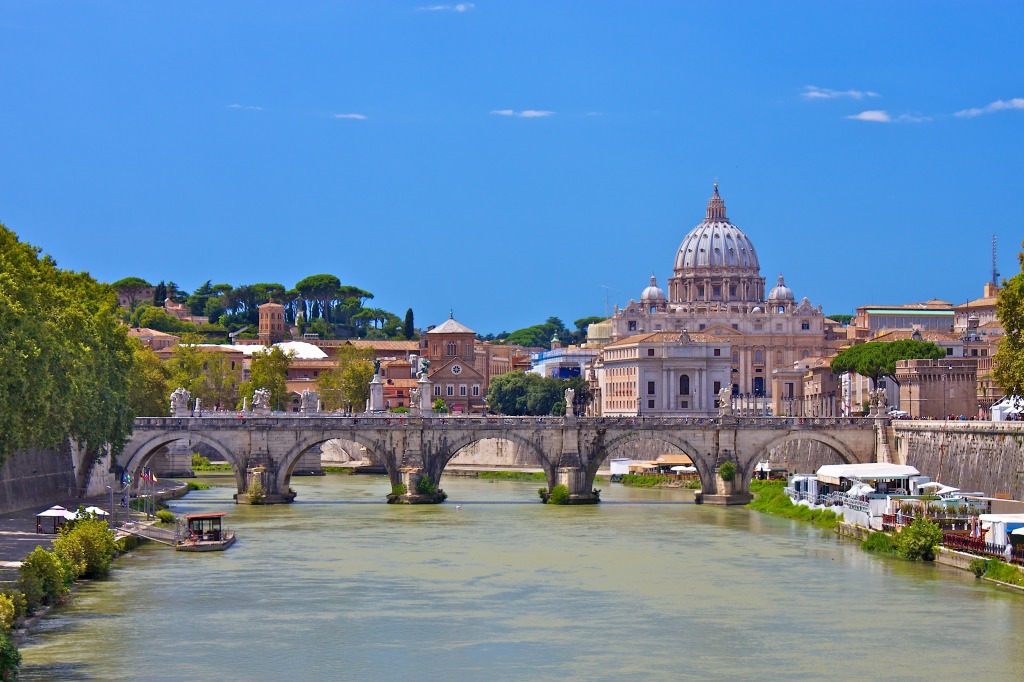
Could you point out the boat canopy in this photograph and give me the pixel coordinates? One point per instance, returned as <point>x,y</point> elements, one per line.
<point>832,473</point>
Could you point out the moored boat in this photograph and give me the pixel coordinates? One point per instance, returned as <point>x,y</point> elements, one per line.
<point>204,533</point>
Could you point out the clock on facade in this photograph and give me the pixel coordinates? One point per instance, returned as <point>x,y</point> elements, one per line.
<point>456,369</point>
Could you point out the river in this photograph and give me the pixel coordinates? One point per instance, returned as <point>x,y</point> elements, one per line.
<point>646,585</point>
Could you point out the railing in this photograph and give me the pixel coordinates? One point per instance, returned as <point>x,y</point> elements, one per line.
<point>399,419</point>
<point>965,543</point>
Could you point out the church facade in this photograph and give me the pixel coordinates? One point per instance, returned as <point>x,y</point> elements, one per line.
<point>716,288</point>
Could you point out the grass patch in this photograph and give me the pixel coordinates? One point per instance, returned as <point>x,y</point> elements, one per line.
<point>1004,572</point>
<point>879,543</point>
<point>339,470</point>
<point>212,467</point>
<point>512,475</point>
<point>770,498</point>
<point>195,485</point>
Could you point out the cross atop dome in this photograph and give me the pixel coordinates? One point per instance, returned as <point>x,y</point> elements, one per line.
<point>716,208</point>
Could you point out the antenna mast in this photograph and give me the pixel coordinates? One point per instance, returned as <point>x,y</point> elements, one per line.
<point>995,272</point>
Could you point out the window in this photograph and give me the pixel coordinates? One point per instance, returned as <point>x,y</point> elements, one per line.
<point>701,327</point>
<point>684,404</point>
<point>974,352</point>
<point>437,390</point>
<point>716,291</point>
<point>449,390</point>
<point>718,352</point>
<point>650,404</point>
<point>684,385</point>
<point>700,291</point>
<point>736,327</point>
<point>650,388</point>
<point>735,356</point>
<point>650,352</point>
<point>476,390</point>
<point>654,309</point>
<point>732,291</point>
<point>949,351</point>
<point>758,356</point>
<point>462,390</point>
<point>782,308</point>
<point>805,325</point>
<point>452,349</point>
<point>718,387</point>
<point>632,325</point>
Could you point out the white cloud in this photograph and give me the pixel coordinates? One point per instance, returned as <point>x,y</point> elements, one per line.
<point>913,118</point>
<point>461,7</point>
<point>814,92</point>
<point>876,116</point>
<point>526,113</point>
<point>354,117</point>
<point>245,107</point>
<point>998,105</point>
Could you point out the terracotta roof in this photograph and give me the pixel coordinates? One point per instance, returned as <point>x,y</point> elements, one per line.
<point>385,345</point>
<point>926,335</point>
<point>987,302</point>
<point>450,326</point>
<point>666,337</point>
<point>145,332</point>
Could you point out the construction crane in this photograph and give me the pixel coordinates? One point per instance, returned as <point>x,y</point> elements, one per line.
<point>608,291</point>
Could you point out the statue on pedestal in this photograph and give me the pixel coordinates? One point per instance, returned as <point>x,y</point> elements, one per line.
<point>310,401</point>
<point>725,401</point>
<point>570,406</point>
<point>261,400</point>
<point>179,402</point>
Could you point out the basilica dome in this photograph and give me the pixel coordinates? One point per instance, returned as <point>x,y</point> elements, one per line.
<point>781,292</point>
<point>716,262</point>
<point>716,242</point>
<point>653,292</point>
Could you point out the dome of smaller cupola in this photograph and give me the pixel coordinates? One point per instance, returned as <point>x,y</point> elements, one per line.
<point>781,292</point>
<point>653,292</point>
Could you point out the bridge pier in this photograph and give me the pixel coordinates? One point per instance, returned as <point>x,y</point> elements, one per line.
<point>577,481</point>
<point>735,491</point>
<point>416,487</point>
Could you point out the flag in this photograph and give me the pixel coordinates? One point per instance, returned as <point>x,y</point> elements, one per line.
<point>154,478</point>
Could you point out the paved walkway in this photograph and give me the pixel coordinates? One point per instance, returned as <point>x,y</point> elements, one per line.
<point>18,534</point>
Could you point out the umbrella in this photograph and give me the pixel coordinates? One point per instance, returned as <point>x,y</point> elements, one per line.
<point>683,468</point>
<point>56,511</point>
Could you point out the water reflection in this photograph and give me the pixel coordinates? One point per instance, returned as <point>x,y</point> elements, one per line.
<point>343,586</point>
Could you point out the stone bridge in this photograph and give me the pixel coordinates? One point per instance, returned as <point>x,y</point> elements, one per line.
<point>570,449</point>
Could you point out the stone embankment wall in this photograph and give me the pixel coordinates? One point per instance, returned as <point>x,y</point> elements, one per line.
<point>36,478</point>
<point>973,456</point>
<point>495,452</point>
<point>803,456</point>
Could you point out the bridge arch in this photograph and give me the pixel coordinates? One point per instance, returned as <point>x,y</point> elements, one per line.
<point>831,442</point>
<point>436,465</point>
<point>141,454</point>
<point>292,456</point>
<point>705,467</point>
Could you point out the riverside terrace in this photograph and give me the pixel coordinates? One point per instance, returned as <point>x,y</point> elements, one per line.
<point>570,449</point>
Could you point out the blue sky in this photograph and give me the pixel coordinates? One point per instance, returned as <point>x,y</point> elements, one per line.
<point>516,160</point>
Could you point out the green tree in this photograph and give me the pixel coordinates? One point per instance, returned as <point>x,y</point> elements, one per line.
<point>347,385</point>
<point>407,328</point>
<point>220,380</point>
<point>149,391</point>
<point>1008,366</point>
<point>10,658</point>
<point>162,321</point>
<point>160,294</point>
<point>519,394</point>
<point>131,287</point>
<point>65,358</point>
<point>323,289</point>
<point>440,407</point>
<point>87,545</point>
<point>843,319</point>
<point>186,366</point>
<point>877,359</point>
<point>269,370</point>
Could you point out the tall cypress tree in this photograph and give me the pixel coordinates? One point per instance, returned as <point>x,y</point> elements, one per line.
<point>407,331</point>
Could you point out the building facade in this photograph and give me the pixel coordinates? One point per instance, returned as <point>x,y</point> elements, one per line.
<point>661,374</point>
<point>716,288</point>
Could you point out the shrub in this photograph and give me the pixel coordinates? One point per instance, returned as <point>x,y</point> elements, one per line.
<point>426,487</point>
<point>918,540</point>
<point>44,578</point>
<point>257,493</point>
<point>193,485</point>
<point>880,543</point>
<point>978,567</point>
<point>559,494</point>
<point>543,493</point>
<point>10,658</point>
<point>200,461</point>
<point>727,471</point>
<point>399,489</point>
<point>91,543</point>
<point>7,609</point>
<point>400,410</point>
<point>18,599</point>
<point>165,516</point>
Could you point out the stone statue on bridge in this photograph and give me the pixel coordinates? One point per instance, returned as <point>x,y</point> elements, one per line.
<point>261,401</point>
<point>725,401</point>
<point>310,402</point>
<point>570,405</point>
<point>180,399</point>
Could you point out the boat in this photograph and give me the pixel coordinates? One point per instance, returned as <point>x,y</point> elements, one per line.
<point>204,533</point>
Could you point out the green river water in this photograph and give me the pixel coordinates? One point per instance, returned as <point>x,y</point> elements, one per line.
<point>645,586</point>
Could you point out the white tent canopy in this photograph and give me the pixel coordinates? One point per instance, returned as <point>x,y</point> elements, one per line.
<point>57,511</point>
